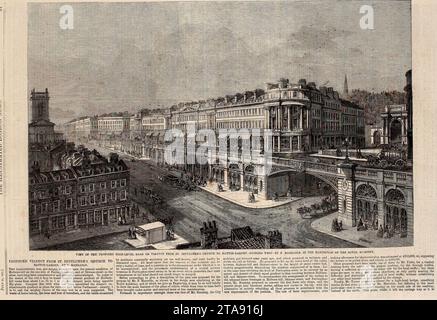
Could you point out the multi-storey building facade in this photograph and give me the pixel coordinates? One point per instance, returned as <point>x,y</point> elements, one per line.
<point>86,128</point>
<point>112,125</point>
<point>303,118</point>
<point>156,121</point>
<point>92,194</point>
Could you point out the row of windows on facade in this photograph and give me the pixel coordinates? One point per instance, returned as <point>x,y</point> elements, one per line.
<point>112,126</point>
<point>255,112</point>
<point>241,125</point>
<point>160,122</point>
<point>67,189</point>
<point>147,121</point>
<point>91,187</point>
<point>83,218</point>
<point>285,95</point>
<point>190,117</point>
<point>328,115</point>
<point>154,127</point>
<point>238,113</point>
<point>55,206</point>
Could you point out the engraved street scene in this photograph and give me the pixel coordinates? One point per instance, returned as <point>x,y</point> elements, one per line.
<point>220,125</point>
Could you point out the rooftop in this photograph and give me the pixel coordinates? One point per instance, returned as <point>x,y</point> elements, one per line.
<point>151,226</point>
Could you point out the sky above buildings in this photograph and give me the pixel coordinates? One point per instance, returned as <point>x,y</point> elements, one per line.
<point>123,56</point>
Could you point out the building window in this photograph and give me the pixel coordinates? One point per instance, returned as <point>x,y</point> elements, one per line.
<point>56,205</point>
<point>93,199</point>
<point>82,189</point>
<point>102,185</point>
<point>83,201</point>
<point>90,217</point>
<point>70,219</point>
<point>34,226</point>
<point>123,182</point>
<point>123,195</point>
<point>113,184</point>
<point>103,198</point>
<point>58,222</point>
<point>81,218</point>
<point>61,222</point>
<point>45,208</point>
<point>69,203</point>
<point>91,186</point>
<point>112,215</point>
<point>98,216</point>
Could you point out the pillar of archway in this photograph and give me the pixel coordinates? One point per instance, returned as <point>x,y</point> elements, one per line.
<point>225,173</point>
<point>346,193</point>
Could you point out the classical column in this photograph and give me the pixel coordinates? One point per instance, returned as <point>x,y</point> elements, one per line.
<point>289,118</point>
<point>380,188</point>
<point>280,117</point>
<point>388,131</point>
<point>279,143</point>
<point>262,182</point>
<point>308,118</point>
<point>242,181</point>
<point>267,118</point>
<point>277,118</point>
<point>301,118</point>
<point>404,131</point>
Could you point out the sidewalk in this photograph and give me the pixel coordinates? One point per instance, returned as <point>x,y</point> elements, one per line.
<point>41,242</point>
<point>241,198</point>
<point>362,238</point>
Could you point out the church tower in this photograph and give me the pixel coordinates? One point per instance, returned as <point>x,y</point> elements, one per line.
<point>40,105</point>
<point>345,87</point>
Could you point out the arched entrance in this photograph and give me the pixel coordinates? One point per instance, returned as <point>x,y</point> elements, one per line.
<point>299,184</point>
<point>396,131</point>
<point>250,180</point>
<point>234,179</point>
<point>367,206</point>
<point>376,138</point>
<point>395,213</point>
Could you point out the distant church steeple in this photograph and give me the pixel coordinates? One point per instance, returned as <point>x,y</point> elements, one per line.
<point>345,88</point>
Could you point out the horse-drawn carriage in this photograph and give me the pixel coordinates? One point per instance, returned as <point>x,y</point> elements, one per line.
<point>178,180</point>
<point>390,157</point>
<point>150,197</point>
<point>327,205</point>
